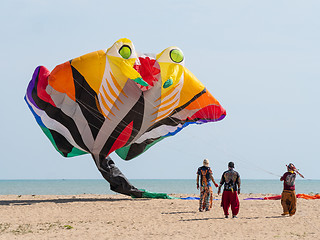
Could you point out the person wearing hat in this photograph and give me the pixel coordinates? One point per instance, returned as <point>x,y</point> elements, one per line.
<point>205,175</point>
<point>288,197</point>
<point>231,181</point>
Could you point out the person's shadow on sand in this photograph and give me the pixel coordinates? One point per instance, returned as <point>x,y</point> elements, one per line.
<point>199,219</point>
<point>202,219</point>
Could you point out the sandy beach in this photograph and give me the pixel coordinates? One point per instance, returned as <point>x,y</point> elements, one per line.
<point>121,217</point>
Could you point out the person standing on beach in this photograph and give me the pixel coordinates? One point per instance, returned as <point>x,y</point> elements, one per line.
<point>205,175</point>
<point>288,197</point>
<point>231,181</point>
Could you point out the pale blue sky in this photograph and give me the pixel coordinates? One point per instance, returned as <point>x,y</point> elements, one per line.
<point>260,59</point>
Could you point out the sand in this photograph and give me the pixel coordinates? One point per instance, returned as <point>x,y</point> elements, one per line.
<point>121,217</point>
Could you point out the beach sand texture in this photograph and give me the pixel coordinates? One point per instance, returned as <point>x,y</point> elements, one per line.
<point>121,217</point>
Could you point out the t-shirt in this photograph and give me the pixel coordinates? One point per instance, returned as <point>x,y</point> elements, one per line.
<point>205,175</point>
<point>230,179</point>
<point>288,181</point>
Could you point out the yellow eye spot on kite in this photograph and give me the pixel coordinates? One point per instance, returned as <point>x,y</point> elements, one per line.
<point>125,51</point>
<point>176,55</point>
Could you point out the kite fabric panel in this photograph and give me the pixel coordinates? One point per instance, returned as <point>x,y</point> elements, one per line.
<point>278,197</point>
<point>117,100</point>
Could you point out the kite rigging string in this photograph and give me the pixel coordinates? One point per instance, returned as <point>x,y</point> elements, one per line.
<point>249,163</point>
<point>242,160</point>
<point>232,155</point>
<point>96,114</point>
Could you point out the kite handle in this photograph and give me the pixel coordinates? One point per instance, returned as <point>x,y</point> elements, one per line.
<point>299,173</point>
<point>296,170</point>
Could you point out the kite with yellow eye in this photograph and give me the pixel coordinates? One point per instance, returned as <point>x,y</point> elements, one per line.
<point>117,100</point>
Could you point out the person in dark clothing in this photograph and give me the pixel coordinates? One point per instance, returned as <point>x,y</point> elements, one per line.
<point>231,181</point>
<point>205,175</point>
<point>288,197</point>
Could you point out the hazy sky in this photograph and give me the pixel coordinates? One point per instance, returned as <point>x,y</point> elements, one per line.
<point>260,59</point>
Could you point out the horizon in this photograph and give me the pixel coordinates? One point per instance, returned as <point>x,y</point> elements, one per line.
<point>301,179</point>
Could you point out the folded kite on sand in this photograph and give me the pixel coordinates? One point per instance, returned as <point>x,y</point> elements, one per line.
<point>306,196</point>
<point>278,197</point>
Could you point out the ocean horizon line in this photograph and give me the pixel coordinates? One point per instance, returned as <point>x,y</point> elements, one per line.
<point>78,179</point>
<point>101,186</point>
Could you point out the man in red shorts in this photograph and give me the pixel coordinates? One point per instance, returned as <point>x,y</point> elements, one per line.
<point>231,181</point>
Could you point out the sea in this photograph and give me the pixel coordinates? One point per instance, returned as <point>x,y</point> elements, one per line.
<point>179,186</point>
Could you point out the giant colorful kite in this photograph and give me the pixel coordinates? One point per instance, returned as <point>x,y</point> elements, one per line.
<point>118,100</point>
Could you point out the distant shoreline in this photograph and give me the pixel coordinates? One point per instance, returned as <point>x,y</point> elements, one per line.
<point>142,179</point>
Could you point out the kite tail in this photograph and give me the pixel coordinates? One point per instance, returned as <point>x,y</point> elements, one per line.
<point>118,182</point>
<point>147,194</point>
